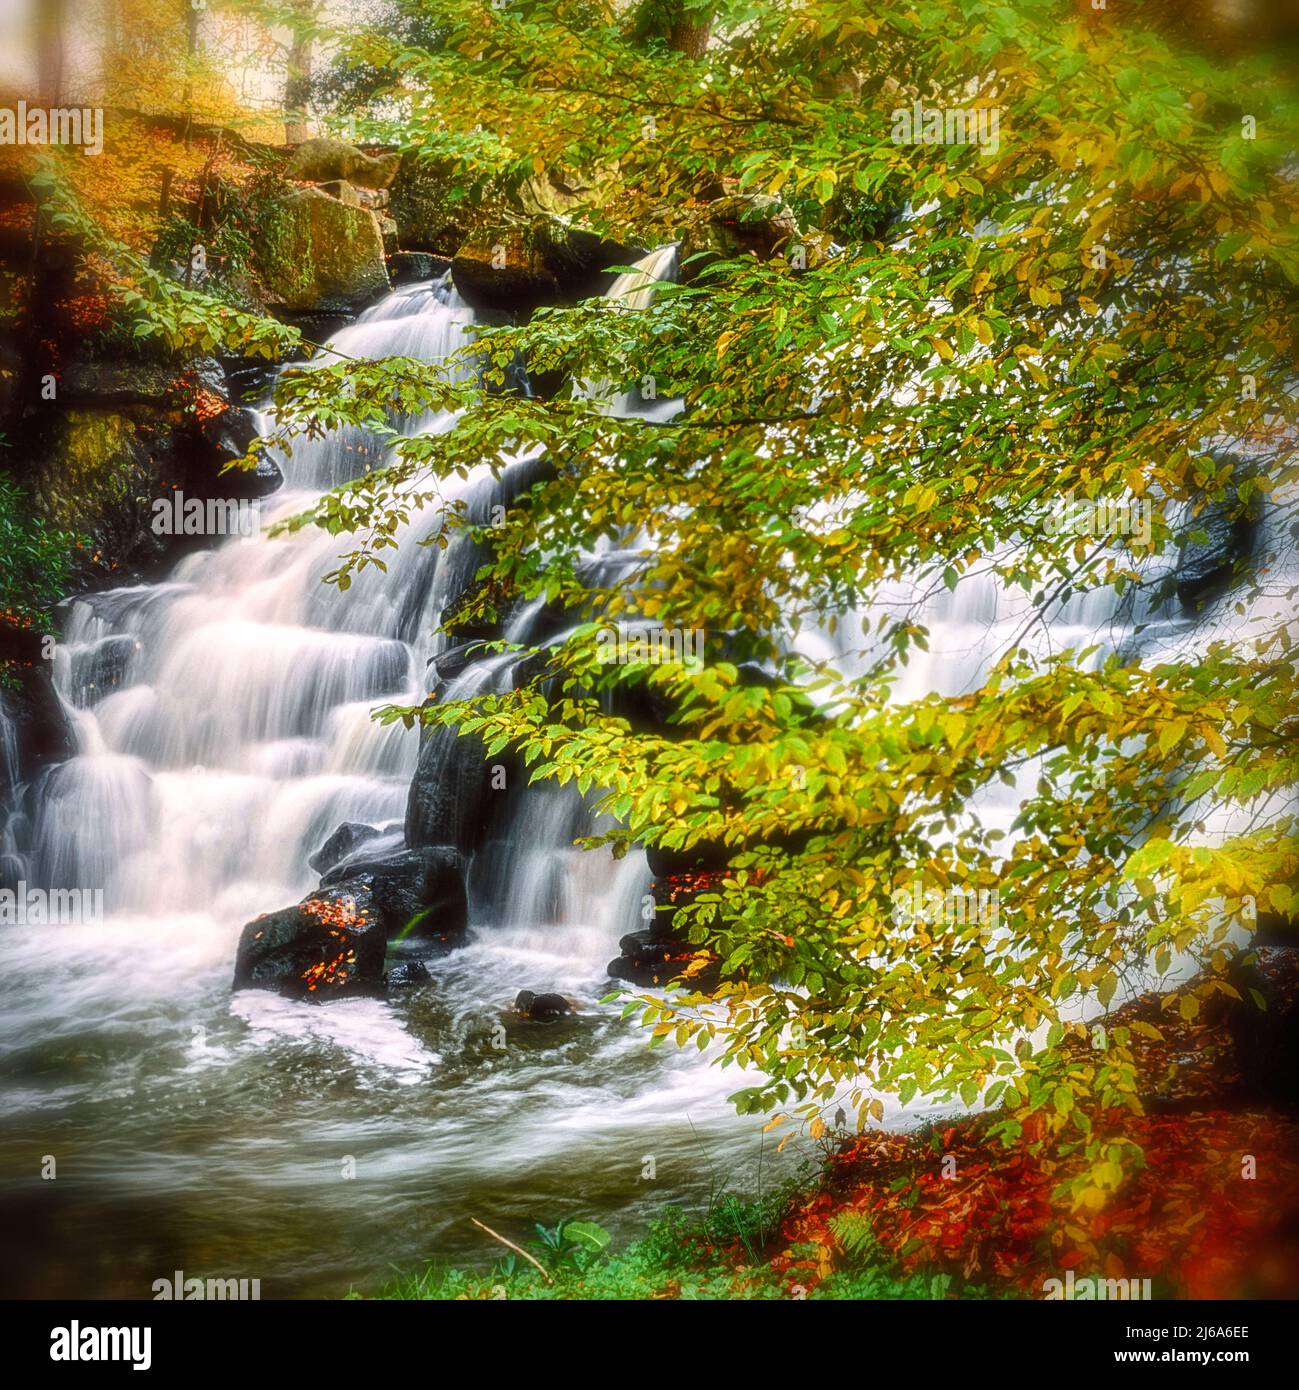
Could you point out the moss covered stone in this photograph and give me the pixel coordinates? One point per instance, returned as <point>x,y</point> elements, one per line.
<point>316,252</point>
<point>96,465</point>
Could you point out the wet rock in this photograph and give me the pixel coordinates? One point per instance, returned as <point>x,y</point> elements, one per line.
<point>457,792</point>
<point>35,730</point>
<point>519,267</point>
<point>1266,1040</point>
<point>345,841</point>
<point>330,946</point>
<point>252,483</point>
<point>249,380</point>
<point>490,601</point>
<point>408,973</point>
<point>334,943</point>
<point>413,267</point>
<point>1212,560</point>
<point>454,661</point>
<point>100,669</point>
<point>227,432</point>
<point>415,892</point>
<point>500,271</point>
<point>318,325</point>
<point>651,961</point>
<point>543,1008</point>
<point>323,161</point>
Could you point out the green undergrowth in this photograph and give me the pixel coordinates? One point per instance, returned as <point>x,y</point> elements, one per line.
<point>730,1252</point>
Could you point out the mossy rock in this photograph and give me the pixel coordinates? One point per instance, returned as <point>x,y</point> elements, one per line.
<point>745,224</point>
<point>98,461</point>
<point>503,270</point>
<point>428,215</point>
<point>315,252</point>
<point>318,161</point>
<point>517,267</point>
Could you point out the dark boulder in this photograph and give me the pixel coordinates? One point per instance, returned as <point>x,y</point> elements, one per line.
<point>250,380</point>
<point>519,267</point>
<point>1266,1040</point>
<point>100,669</point>
<point>415,892</point>
<point>543,1008</point>
<point>228,431</point>
<point>448,665</point>
<point>318,324</point>
<point>457,792</point>
<point>413,267</point>
<point>1215,549</point>
<point>345,841</point>
<point>330,946</point>
<point>408,973</point>
<point>480,611</point>
<point>500,271</point>
<point>334,943</point>
<point>36,728</point>
<point>651,961</point>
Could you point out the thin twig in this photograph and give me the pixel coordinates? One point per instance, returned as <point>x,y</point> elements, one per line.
<point>496,1235</point>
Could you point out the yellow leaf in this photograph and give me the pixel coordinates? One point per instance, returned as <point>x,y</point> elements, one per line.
<point>1214,739</point>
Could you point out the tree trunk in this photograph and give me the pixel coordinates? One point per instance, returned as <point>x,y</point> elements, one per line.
<point>688,30</point>
<point>297,82</point>
<point>191,50</point>
<point>49,51</point>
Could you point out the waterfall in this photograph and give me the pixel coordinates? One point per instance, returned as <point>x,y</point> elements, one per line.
<point>224,714</point>
<point>635,288</point>
<point>223,730</point>
<point>10,779</point>
<point>235,734</point>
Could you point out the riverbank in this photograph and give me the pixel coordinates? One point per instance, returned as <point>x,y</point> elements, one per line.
<point>953,1210</point>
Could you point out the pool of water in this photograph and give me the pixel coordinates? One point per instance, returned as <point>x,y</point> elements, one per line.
<point>198,1131</point>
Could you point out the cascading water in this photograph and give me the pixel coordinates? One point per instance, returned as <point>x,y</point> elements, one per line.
<point>223,727</point>
<point>223,724</point>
